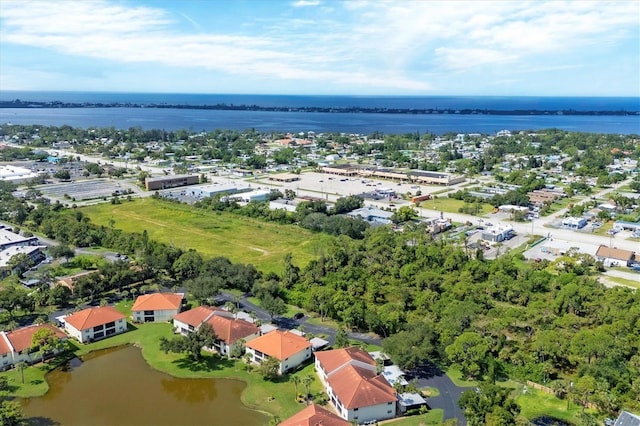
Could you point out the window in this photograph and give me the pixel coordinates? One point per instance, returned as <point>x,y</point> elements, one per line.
<point>111,324</point>
<point>389,412</point>
<point>389,403</point>
<point>355,409</point>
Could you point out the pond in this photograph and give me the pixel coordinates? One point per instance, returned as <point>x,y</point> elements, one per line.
<point>117,387</point>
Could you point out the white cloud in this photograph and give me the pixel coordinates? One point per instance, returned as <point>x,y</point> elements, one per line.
<point>306,3</point>
<point>381,45</point>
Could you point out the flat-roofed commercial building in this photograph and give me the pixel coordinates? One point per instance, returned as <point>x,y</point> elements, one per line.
<point>173,181</point>
<point>418,176</point>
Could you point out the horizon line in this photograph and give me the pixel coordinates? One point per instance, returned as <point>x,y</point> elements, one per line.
<point>315,95</point>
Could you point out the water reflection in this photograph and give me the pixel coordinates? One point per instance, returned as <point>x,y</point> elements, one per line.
<point>117,387</point>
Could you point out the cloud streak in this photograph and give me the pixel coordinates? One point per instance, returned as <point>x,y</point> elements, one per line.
<point>404,46</point>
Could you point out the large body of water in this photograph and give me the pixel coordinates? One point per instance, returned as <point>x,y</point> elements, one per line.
<point>117,387</point>
<point>350,122</point>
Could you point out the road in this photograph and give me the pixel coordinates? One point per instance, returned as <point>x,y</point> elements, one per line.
<point>427,376</point>
<point>430,375</point>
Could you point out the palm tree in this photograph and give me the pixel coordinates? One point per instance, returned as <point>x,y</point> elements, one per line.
<point>296,380</point>
<point>21,366</point>
<point>231,308</point>
<point>307,380</point>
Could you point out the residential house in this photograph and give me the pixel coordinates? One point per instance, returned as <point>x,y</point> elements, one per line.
<point>70,280</point>
<point>314,415</point>
<point>354,386</point>
<point>287,347</point>
<point>15,346</point>
<point>157,307</point>
<point>95,323</point>
<point>188,321</point>
<point>610,256</point>
<point>229,331</point>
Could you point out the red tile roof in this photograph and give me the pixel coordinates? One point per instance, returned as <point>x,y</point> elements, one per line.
<point>358,387</point>
<point>330,360</point>
<point>158,302</point>
<point>195,316</point>
<point>230,330</point>
<point>91,317</point>
<point>279,344</point>
<point>4,345</point>
<point>314,415</point>
<point>21,338</point>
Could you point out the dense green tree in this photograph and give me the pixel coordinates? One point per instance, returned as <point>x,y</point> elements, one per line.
<point>273,305</point>
<point>341,339</point>
<point>11,413</point>
<point>46,341</point>
<point>188,265</point>
<point>469,350</point>
<point>413,346</point>
<point>192,343</point>
<point>269,368</point>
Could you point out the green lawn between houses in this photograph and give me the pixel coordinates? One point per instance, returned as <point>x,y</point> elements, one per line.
<point>241,239</point>
<point>276,398</point>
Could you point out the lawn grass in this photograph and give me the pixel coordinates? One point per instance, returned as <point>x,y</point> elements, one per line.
<point>535,403</point>
<point>430,391</point>
<point>455,374</point>
<point>624,281</point>
<point>451,205</point>
<point>431,418</point>
<point>238,238</point>
<point>273,397</point>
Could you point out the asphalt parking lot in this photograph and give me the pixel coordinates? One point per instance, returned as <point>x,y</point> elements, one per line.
<point>332,187</point>
<point>85,189</point>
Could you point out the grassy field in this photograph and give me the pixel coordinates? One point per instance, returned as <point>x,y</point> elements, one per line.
<point>535,403</point>
<point>240,239</point>
<point>451,205</point>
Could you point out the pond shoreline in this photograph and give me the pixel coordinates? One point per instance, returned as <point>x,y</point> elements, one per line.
<point>266,397</point>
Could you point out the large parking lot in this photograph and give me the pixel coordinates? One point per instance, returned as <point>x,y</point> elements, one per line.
<point>84,190</point>
<point>332,187</point>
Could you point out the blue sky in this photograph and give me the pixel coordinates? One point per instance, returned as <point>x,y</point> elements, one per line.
<point>402,47</point>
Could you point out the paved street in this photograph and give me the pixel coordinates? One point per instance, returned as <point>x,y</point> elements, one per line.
<point>431,375</point>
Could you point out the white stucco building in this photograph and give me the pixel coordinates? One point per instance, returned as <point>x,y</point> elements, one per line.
<point>15,346</point>
<point>354,387</point>
<point>157,307</point>
<point>95,323</point>
<point>288,348</point>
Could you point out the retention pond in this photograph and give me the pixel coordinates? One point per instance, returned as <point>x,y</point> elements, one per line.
<point>117,387</point>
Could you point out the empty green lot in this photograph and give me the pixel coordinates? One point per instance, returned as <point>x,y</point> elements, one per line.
<point>212,234</point>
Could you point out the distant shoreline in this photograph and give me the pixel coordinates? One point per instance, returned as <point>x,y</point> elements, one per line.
<point>17,103</point>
